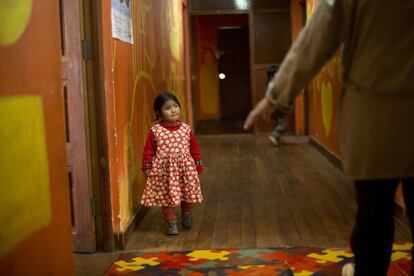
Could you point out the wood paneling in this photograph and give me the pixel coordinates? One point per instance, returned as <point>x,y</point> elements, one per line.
<point>271,4</point>
<point>260,80</point>
<point>272,36</point>
<point>218,5</point>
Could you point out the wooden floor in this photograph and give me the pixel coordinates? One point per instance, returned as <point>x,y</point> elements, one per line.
<point>257,195</point>
<point>214,127</point>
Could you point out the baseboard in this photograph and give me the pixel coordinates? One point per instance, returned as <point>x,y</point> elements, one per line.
<point>121,239</point>
<point>327,153</point>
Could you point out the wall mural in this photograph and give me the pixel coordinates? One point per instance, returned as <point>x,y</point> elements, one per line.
<point>22,130</point>
<point>324,91</point>
<point>172,51</point>
<point>157,65</point>
<point>208,87</point>
<point>22,136</point>
<point>14,18</point>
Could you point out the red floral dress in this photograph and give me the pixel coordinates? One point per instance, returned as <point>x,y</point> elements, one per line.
<point>173,173</point>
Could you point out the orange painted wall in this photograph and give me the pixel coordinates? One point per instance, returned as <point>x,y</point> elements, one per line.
<point>296,17</point>
<point>134,75</point>
<point>30,85</point>
<point>206,44</point>
<point>323,99</point>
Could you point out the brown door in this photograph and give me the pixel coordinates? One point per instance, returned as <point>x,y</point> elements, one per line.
<point>80,191</point>
<point>235,99</point>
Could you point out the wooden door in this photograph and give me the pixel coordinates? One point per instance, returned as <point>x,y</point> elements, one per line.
<point>80,191</point>
<point>234,62</point>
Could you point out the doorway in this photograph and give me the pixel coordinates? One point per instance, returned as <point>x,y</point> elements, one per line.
<point>234,74</point>
<point>223,92</point>
<point>84,108</point>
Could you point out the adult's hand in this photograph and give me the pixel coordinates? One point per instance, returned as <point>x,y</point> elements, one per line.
<point>264,108</point>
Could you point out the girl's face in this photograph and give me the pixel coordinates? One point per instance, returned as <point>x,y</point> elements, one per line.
<point>170,112</point>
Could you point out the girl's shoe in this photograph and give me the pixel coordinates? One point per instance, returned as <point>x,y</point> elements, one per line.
<point>171,228</point>
<point>187,220</point>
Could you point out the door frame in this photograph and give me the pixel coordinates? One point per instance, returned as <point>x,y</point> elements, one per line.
<point>77,128</point>
<point>195,67</point>
<point>86,45</point>
<point>93,27</point>
<point>221,64</point>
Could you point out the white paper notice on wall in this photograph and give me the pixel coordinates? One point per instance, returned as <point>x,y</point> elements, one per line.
<point>122,20</point>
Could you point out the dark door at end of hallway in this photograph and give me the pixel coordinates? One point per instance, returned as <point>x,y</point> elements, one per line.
<point>234,63</point>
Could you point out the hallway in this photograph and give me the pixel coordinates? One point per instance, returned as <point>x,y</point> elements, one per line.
<point>256,195</point>
<point>78,87</point>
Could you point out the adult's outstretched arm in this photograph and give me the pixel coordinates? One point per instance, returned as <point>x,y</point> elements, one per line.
<point>316,44</point>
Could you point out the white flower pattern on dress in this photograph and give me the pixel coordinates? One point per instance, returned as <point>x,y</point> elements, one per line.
<point>173,177</point>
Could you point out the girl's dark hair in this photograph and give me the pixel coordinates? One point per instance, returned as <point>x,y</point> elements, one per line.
<point>160,100</point>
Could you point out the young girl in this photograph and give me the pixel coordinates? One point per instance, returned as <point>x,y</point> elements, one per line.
<point>171,163</point>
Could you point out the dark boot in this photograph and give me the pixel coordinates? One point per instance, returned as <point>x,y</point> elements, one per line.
<point>187,220</point>
<point>171,228</point>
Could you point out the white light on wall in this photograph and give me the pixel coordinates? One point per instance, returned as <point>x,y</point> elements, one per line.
<point>242,4</point>
<point>222,76</point>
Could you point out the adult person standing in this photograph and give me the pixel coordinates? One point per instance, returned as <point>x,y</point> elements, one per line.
<point>376,120</point>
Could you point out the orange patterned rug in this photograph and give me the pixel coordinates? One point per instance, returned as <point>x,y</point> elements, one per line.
<point>301,261</point>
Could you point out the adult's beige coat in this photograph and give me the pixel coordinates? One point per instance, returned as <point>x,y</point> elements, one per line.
<point>376,118</point>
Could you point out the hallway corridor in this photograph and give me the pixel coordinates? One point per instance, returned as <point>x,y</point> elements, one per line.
<point>83,85</point>
<point>256,195</point>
